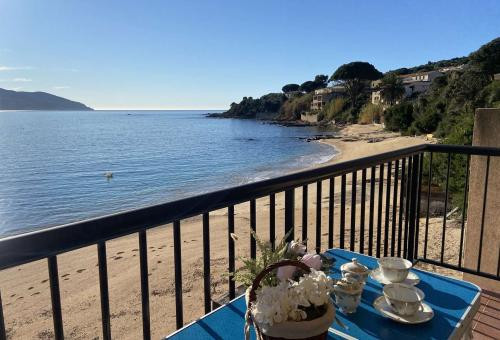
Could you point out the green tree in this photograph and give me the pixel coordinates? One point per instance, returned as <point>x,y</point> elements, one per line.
<point>487,57</point>
<point>290,88</point>
<point>354,77</point>
<point>320,81</point>
<point>391,88</point>
<point>399,117</point>
<point>308,86</point>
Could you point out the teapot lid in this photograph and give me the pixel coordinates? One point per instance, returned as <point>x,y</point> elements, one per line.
<point>354,267</point>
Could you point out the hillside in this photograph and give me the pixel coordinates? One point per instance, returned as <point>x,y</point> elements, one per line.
<point>18,100</point>
<point>468,83</point>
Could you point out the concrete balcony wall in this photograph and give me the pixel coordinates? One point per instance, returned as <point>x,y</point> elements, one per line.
<point>486,133</point>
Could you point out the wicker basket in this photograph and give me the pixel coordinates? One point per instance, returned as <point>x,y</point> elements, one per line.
<point>316,329</point>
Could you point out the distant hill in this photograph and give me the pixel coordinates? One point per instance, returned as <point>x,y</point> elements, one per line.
<point>18,100</point>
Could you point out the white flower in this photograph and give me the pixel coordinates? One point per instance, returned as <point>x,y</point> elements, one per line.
<point>283,302</point>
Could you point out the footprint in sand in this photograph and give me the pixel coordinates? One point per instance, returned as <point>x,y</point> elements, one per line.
<point>120,252</point>
<point>43,281</point>
<point>80,271</point>
<point>35,293</point>
<point>135,249</point>
<point>117,258</point>
<point>133,255</point>
<point>13,295</point>
<point>66,278</point>
<point>30,288</point>
<point>20,298</point>
<point>65,275</point>
<point>158,261</point>
<point>153,250</point>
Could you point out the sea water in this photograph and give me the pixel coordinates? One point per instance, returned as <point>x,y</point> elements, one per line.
<point>53,164</point>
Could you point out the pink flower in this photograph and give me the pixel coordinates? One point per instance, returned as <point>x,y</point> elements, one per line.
<point>312,260</point>
<point>286,272</point>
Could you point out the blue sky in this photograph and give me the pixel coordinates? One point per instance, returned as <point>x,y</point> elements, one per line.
<point>206,54</point>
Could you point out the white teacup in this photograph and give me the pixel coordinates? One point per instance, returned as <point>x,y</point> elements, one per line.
<point>394,269</point>
<point>404,299</point>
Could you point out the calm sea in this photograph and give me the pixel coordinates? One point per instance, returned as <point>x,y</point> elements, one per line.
<point>52,164</point>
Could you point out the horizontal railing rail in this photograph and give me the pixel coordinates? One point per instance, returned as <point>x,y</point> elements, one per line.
<point>32,246</point>
<point>384,193</point>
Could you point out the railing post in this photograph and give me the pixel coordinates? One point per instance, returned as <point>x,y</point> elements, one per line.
<point>413,195</point>
<point>290,213</point>
<point>206,262</point>
<point>3,334</point>
<point>55,296</point>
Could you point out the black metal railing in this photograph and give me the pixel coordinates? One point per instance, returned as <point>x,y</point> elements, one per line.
<point>392,227</point>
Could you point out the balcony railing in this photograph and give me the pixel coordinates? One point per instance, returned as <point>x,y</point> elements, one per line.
<point>386,194</point>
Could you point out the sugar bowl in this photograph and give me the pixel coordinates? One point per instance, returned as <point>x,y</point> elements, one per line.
<point>355,270</point>
<point>348,292</point>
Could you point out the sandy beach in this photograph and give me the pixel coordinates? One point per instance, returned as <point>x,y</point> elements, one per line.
<point>25,289</point>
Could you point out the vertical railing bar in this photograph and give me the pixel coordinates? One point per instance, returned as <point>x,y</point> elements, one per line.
<point>379,211</point>
<point>498,264</point>
<point>230,241</point>
<point>3,333</point>
<point>413,208</point>
<point>443,235</point>
<point>353,209</point>
<point>462,229</point>
<point>387,208</point>
<point>272,220</point>
<point>407,206</point>
<point>394,206</point>
<point>253,228</point>
<point>103,285</point>
<point>429,188</point>
<point>305,211</point>
<point>318,217</point>
<point>372,208</point>
<point>485,198</point>
<point>206,262</point>
<point>402,203</point>
<point>331,209</point>
<point>143,260</point>
<point>362,213</point>
<point>342,210</point>
<point>179,310</point>
<point>290,214</point>
<point>419,197</point>
<point>55,296</point>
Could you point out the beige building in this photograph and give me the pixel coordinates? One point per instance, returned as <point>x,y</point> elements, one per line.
<point>323,96</point>
<point>413,83</point>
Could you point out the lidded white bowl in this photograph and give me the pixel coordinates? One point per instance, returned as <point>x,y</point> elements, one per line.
<point>355,270</point>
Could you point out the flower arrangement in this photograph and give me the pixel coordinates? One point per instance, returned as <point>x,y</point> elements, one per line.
<point>288,287</point>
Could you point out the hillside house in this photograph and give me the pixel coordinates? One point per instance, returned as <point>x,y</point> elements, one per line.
<point>413,83</point>
<point>323,96</point>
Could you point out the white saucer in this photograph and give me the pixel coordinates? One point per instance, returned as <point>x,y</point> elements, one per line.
<point>421,316</point>
<point>412,279</point>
